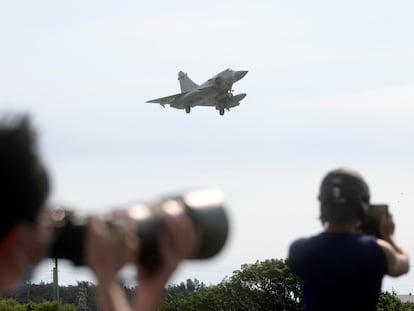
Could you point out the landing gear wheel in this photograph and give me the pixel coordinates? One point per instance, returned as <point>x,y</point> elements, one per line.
<point>188,109</point>
<point>221,111</point>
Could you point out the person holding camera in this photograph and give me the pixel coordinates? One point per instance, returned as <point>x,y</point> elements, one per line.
<point>26,229</point>
<point>342,268</point>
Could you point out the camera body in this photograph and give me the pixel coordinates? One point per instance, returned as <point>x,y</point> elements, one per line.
<point>371,223</point>
<point>205,209</point>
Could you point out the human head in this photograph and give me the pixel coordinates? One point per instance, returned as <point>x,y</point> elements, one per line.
<point>343,196</point>
<point>24,187</point>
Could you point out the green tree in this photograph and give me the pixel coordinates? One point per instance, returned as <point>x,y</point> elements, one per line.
<point>13,305</point>
<point>210,298</point>
<point>50,306</point>
<point>390,302</point>
<point>185,288</point>
<point>266,285</point>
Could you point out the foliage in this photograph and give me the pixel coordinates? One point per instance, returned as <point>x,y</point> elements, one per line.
<point>186,288</point>
<point>390,302</point>
<point>75,295</point>
<point>266,285</point>
<point>13,305</point>
<point>207,299</point>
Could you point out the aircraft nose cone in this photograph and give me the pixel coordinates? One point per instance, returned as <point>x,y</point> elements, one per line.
<point>240,74</point>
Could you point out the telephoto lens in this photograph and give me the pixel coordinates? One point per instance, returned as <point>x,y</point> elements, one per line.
<point>205,208</point>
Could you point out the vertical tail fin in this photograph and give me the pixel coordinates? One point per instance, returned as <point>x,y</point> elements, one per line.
<point>186,83</point>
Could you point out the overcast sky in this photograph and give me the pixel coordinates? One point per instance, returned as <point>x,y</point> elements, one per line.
<point>330,84</point>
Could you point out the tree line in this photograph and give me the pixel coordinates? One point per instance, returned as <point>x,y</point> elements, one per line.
<point>263,285</point>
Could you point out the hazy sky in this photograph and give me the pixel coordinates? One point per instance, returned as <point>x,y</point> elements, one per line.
<point>330,84</point>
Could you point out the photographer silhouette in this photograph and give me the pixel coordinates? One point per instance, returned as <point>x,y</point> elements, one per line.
<point>342,268</point>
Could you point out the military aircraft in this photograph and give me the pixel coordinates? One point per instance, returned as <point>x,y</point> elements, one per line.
<point>216,92</point>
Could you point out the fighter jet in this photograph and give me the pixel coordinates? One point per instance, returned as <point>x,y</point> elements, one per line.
<point>216,92</point>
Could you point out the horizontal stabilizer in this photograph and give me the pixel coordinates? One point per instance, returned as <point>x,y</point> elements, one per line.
<point>238,97</point>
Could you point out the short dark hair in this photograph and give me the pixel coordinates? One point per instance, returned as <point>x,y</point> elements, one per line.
<point>24,183</point>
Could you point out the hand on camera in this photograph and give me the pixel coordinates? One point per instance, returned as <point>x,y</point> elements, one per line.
<point>177,242</point>
<point>387,227</point>
<point>108,249</point>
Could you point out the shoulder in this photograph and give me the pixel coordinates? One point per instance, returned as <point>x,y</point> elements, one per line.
<point>299,245</point>
<point>368,247</point>
<point>299,250</point>
<point>368,250</point>
<point>304,244</point>
<point>295,254</point>
<point>367,240</point>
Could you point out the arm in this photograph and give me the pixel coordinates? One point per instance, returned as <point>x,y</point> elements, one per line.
<point>107,252</point>
<point>397,256</point>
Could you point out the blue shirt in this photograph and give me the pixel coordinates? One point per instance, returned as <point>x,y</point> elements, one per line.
<point>338,271</point>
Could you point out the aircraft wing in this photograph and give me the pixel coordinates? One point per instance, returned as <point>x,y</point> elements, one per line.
<point>168,100</point>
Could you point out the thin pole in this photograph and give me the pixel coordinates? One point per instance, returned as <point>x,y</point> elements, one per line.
<point>55,281</point>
